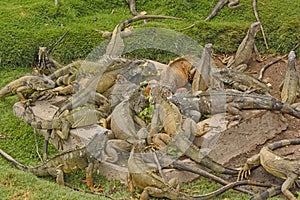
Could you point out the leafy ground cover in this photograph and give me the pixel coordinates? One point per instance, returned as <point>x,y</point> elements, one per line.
<point>26,25</point>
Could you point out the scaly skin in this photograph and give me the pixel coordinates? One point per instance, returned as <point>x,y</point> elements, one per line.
<point>240,81</point>
<point>26,85</point>
<point>145,178</point>
<point>46,64</point>
<point>133,70</point>
<point>279,166</point>
<point>125,124</point>
<point>244,52</point>
<point>273,191</point>
<point>290,85</point>
<point>176,75</point>
<point>165,112</point>
<point>232,101</point>
<point>78,118</point>
<point>181,143</point>
<point>66,162</point>
<point>152,184</point>
<point>180,133</point>
<point>116,46</point>
<point>219,6</point>
<point>202,78</point>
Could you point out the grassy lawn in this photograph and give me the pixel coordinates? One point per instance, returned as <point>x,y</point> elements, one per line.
<point>26,25</point>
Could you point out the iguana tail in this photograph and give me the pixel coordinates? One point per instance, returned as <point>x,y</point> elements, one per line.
<point>185,166</point>
<point>216,9</point>
<point>217,167</point>
<point>227,187</point>
<point>16,163</point>
<point>290,110</point>
<point>282,143</point>
<point>273,191</point>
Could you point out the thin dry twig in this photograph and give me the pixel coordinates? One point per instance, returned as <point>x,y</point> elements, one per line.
<point>57,42</point>
<point>189,27</point>
<point>261,73</point>
<point>258,20</point>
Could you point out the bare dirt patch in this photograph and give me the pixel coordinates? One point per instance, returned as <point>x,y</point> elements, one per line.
<point>273,75</point>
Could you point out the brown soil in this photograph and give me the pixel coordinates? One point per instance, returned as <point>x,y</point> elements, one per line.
<point>273,75</point>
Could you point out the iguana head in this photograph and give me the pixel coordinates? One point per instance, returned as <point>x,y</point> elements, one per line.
<point>159,93</point>
<point>43,83</point>
<point>254,28</point>
<point>138,100</point>
<point>42,56</point>
<point>292,60</point>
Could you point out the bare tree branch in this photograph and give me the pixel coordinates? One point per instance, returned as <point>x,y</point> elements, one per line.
<point>258,20</point>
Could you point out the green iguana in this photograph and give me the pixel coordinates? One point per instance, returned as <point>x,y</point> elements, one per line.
<point>26,85</point>
<point>232,101</point>
<point>125,124</point>
<point>244,52</point>
<point>219,6</point>
<point>207,76</point>
<point>46,64</point>
<point>290,85</point>
<point>202,78</point>
<point>61,126</point>
<point>239,81</point>
<point>180,133</point>
<point>166,114</point>
<point>141,175</point>
<point>116,45</point>
<point>114,50</point>
<point>69,161</point>
<point>133,70</point>
<point>279,166</point>
<point>270,192</point>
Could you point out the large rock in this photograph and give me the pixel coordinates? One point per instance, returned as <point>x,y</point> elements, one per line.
<point>81,136</point>
<point>222,143</point>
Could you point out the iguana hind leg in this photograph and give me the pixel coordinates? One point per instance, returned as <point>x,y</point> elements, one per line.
<point>89,178</point>
<point>288,183</point>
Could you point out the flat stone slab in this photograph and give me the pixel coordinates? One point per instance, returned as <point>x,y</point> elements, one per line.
<point>45,110</point>
<point>222,143</point>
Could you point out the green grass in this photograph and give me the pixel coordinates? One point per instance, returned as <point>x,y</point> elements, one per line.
<point>19,142</point>
<point>26,25</point>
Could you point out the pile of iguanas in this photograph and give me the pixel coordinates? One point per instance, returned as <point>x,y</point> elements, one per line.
<point>187,89</point>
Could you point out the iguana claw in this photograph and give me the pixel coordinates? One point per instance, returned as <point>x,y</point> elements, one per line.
<point>244,173</point>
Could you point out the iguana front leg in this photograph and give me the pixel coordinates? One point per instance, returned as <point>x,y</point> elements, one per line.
<point>20,91</point>
<point>250,163</point>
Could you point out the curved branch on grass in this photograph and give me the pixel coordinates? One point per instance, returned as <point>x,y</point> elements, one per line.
<point>258,20</point>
